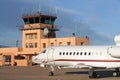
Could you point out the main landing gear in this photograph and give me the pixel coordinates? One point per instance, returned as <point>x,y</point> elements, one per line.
<point>116,73</point>
<point>51,73</point>
<point>92,74</point>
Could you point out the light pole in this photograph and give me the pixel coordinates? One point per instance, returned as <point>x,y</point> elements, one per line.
<point>17,43</point>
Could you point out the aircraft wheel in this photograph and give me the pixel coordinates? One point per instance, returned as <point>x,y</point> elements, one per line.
<point>51,73</point>
<point>116,74</point>
<point>93,75</point>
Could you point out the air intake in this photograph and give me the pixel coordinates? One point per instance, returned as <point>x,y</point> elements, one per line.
<point>117,40</point>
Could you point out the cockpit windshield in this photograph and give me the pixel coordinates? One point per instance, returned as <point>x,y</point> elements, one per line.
<point>44,51</point>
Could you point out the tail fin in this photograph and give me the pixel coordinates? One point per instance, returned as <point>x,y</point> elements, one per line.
<point>117,40</point>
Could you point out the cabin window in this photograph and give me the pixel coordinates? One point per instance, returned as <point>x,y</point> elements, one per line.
<point>81,53</point>
<point>70,53</point>
<point>66,53</point>
<point>85,53</point>
<point>60,53</point>
<point>77,53</point>
<point>63,53</point>
<point>89,53</point>
<point>74,53</point>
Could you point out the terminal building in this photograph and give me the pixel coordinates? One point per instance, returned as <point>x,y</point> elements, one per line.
<point>38,33</point>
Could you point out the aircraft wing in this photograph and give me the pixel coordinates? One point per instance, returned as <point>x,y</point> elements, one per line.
<point>84,66</point>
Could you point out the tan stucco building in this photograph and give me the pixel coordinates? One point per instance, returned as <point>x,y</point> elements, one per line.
<point>38,33</point>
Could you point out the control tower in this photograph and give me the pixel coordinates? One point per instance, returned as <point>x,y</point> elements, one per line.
<point>37,26</point>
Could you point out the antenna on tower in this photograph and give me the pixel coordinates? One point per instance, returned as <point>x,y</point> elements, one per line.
<point>56,10</point>
<point>39,8</point>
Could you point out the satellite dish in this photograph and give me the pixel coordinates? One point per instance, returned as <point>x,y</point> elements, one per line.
<point>46,31</point>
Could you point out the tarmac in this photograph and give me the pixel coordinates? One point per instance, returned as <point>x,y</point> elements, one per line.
<point>38,73</point>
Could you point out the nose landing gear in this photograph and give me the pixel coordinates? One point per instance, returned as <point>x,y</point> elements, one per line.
<point>51,73</point>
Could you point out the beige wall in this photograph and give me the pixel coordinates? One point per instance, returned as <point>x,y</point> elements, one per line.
<point>25,41</point>
<point>7,51</point>
<point>63,41</point>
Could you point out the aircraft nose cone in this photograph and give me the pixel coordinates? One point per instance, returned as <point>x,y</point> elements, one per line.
<point>37,59</point>
<point>34,59</point>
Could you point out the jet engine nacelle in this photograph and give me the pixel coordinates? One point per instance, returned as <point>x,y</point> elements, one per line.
<point>114,52</point>
<point>117,40</point>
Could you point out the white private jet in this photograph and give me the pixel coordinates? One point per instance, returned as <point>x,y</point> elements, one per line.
<point>91,57</point>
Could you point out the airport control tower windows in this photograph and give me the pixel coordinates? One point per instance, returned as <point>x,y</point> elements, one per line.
<point>34,20</point>
<point>42,20</point>
<point>49,21</point>
<point>37,20</point>
<point>31,20</point>
<point>26,20</point>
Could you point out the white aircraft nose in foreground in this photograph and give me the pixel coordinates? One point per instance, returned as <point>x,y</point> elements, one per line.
<point>91,57</point>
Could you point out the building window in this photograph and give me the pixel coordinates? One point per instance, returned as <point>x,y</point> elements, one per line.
<point>35,45</point>
<point>26,21</point>
<point>82,43</point>
<point>60,43</point>
<point>68,43</point>
<point>27,36</point>
<point>35,36</point>
<point>31,36</point>
<point>52,44</point>
<point>31,20</point>
<point>37,19</point>
<point>30,45</point>
<point>27,45</point>
<point>44,45</point>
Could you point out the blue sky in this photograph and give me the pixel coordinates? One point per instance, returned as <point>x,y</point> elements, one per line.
<point>97,19</point>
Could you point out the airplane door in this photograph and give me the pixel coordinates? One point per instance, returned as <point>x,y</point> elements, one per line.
<point>50,56</point>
